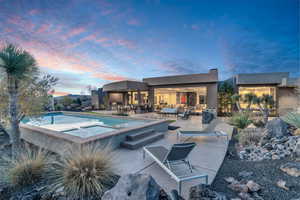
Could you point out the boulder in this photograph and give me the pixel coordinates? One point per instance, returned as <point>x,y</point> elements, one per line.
<point>291,168</point>
<point>239,187</point>
<point>204,192</point>
<point>253,187</point>
<point>277,128</point>
<point>282,184</point>
<point>134,186</point>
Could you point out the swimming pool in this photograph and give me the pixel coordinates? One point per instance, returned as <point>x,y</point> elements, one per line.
<point>57,131</point>
<point>81,125</point>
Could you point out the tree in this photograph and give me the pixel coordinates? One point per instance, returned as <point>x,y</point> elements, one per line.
<point>23,90</point>
<point>265,103</point>
<point>249,99</point>
<point>225,91</point>
<point>236,100</point>
<point>66,101</point>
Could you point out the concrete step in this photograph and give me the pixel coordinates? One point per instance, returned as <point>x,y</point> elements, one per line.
<point>139,135</point>
<point>143,141</point>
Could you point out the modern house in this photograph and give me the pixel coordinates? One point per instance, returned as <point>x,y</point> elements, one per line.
<point>277,84</point>
<point>197,91</point>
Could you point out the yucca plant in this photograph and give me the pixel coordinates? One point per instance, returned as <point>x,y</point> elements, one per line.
<point>240,120</point>
<point>27,168</point>
<point>84,172</point>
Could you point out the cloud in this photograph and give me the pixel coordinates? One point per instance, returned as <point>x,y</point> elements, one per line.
<point>60,93</point>
<point>76,31</point>
<point>43,28</point>
<point>33,12</point>
<point>179,66</point>
<point>110,77</point>
<point>133,22</point>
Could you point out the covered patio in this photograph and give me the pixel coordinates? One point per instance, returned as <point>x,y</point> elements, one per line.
<point>126,95</point>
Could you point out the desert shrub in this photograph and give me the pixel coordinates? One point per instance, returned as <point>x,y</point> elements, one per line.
<point>250,136</point>
<point>292,119</point>
<point>240,120</point>
<point>27,168</point>
<point>258,123</point>
<point>84,172</point>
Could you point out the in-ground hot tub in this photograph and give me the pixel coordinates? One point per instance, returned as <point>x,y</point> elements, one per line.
<point>58,131</point>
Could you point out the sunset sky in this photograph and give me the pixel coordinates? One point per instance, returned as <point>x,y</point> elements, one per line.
<point>93,42</point>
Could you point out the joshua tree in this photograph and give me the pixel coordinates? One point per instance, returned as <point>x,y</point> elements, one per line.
<point>249,99</point>
<point>236,100</point>
<point>265,103</point>
<point>17,64</point>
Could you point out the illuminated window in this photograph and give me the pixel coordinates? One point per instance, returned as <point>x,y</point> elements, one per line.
<point>258,91</point>
<point>194,97</point>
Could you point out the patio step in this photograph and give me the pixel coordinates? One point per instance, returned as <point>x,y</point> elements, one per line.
<point>139,135</point>
<point>143,141</point>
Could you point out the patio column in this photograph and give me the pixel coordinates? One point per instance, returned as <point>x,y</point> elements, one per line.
<point>139,101</point>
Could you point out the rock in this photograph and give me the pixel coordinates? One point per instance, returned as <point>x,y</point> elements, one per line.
<point>282,184</point>
<point>297,132</point>
<point>245,174</point>
<point>277,128</point>
<point>297,150</point>
<point>268,146</point>
<point>134,186</point>
<point>253,187</point>
<point>275,157</point>
<point>292,169</point>
<point>5,193</point>
<point>230,179</point>
<point>238,187</point>
<point>204,192</point>
<point>245,196</point>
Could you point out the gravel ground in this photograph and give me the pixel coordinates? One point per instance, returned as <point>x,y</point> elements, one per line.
<point>265,173</point>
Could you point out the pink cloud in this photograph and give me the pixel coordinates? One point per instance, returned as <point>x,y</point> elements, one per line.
<point>76,31</point>
<point>126,43</point>
<point>33,12</point>
<point>133,22</point>
<point>43,28</point>
<point>110,77</point>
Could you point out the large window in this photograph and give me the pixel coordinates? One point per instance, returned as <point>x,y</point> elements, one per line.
<point>258,91</point>
<point>188,97</point>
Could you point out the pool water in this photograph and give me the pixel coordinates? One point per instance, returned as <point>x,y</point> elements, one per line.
<point>89,131</point>
<point>79,125</point>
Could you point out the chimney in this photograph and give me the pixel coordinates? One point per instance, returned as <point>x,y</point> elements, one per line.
<point>284,81</point>
<point>213,71</point>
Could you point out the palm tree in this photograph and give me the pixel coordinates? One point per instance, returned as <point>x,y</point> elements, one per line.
<point>236,100</point>
<point>249,99</point>
<point>265,104</point>
<point>17,65</point>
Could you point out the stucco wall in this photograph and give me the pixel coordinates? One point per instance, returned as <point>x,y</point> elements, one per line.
<point>288,100</point>
<point>212,96</point>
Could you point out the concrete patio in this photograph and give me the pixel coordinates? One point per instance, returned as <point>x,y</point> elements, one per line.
<point>206,158</point>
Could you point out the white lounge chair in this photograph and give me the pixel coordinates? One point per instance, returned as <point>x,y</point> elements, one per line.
<point>167,159</point>
<point>208,131</point>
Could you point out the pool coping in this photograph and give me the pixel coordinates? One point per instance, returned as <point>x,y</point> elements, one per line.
<point>79,140</point>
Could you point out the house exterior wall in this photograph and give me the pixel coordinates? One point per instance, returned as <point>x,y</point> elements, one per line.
<point>288,100</point>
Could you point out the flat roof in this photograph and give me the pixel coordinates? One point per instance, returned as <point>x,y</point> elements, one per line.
<point>125,86</point>
<point>261,78</point>
<point>210,77</point>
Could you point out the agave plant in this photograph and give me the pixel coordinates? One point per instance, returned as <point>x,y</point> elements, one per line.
<point>292,119</point>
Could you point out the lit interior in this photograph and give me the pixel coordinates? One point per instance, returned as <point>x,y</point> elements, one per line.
<point>189,97</point>
<point>258,91</point>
